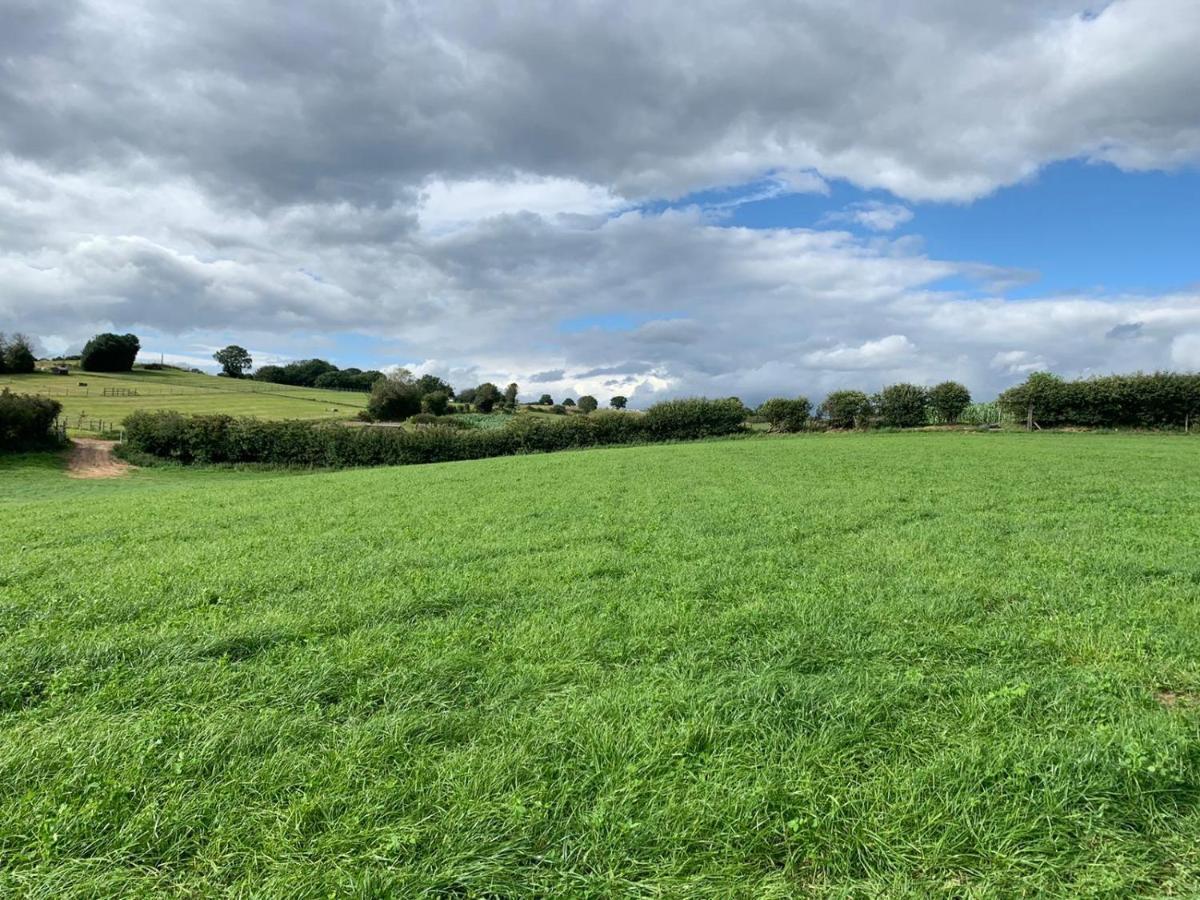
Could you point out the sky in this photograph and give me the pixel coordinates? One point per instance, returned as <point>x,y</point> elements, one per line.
<point>734,197</point>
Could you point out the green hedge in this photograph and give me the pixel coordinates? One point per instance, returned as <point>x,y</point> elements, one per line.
<point>1158,400</point>
<point>224,439</point>
<point>26,421</point>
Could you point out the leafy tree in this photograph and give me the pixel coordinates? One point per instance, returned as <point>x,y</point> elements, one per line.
<point>949,399</point>
<point>394,399</point>
<point>618,402</point>
<point>545,400</point>
<point>110,353</point>
<point>568,402</point>
<point>435,402</point>
<point>587,403</point>
<point>486,397</point>
<point>273,374</point>
<point>846,409</point>
<point>235,361</point>
<point>18,356</point>
<point>3,352</point>
<point>785,415</point>
<point>902,405</point>
<point>466,395</point>
<point>303,373</point>
<point>510,396</point>
<point>429,384</point>
<point>349,379</point>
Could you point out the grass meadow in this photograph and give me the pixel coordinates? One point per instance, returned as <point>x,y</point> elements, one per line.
<point>904,665</point>
<point>185,392</point>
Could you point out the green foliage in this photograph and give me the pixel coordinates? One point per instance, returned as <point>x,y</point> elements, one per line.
<point>235,361</point>
<point>901,405</point>
<point>545,400</point>
<point>587,403</point>
<point>349,380</point>
<point>431,384</point>
<point>618,402</point>
<point>486,396</point>
<point>16,355</point>
<point>245,440</point>
<point>302,373</point>
<point>1158,400</point>
<point>510,396</point>
<point>568,402</point>
<point>786,415</point>
<point>26,420</point>
<point>110,353</point>
<point>435,402</point>
<point>846,409</point>
<point>948,401</point>
<point>393,400</point>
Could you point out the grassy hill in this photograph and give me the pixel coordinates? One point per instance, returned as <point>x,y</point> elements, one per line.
<point>834,665</point>
<point>109,398</point>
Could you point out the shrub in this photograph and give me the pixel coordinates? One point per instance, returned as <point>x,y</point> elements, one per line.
<point>846,409</point>
<point>1161,399</point>
<point>26,420</point>
<point>786,415</point>
<point>902,405</point>
<point>110,353</point>
<point>423,418</point>
<point>948,400</point>
<point>393,400</point>
<point>435,402</point>
<point>696,417</point>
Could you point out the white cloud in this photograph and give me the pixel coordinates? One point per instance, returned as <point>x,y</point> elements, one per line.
<point>873,214</point>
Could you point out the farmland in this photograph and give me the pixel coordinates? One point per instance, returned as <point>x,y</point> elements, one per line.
<point>110,397</point>
<point>833,665</point>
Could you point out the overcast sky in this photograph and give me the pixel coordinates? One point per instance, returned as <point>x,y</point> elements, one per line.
<point>718,197</point>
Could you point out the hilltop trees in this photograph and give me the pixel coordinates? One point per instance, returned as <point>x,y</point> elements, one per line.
<point>948,400</point>
<point>235,361</point>
<point>110,353</point>
<point>568,402</point>
<point>545,400</point>
<point>618,402</point>
<point>588,403</point>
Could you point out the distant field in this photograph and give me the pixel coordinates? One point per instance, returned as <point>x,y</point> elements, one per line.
<point>910,665</point>
<point>186,392</point>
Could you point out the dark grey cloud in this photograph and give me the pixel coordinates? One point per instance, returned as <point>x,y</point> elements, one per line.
<point>547,376</point>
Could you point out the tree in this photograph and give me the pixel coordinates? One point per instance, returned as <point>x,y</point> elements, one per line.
<point>394,399</point>
<point>3,349</point>
<point>466,395</point>
<point>110,353</point>
<point>510,396</point>
<point>587,403</point>
<point>435,402</point>
<point>618,402</point>
<point>786,415</point>
<point>902,405</point>
<point>948,400</point>
<point>429,384</point>
<point>273,374</point>
<point>486,396</point>
<point>18,356</point>
<point>568,402</point>
<point>235,361</point>
<point>846,409</point>
<point>545,400</point>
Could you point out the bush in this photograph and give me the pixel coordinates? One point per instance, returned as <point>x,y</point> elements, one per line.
<point>423,418</point>
<point>696,417</point>
<point>846,409</point>
<point>26,421</point>
<point>435,402</point>
<point>786,415</point>
<point>221,439</point>
<point>393,400</point>
<point>948,400</point>
<point>1158,400</point>
<point>902,405</point>
<point>110,353</point>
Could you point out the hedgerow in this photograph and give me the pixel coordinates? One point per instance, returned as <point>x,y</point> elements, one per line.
<point>26,420</point>
<point>1158,400</point>
<point>225,439</point>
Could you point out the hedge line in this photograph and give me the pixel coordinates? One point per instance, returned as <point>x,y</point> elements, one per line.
<point>1161,399</point>
<point>226,439</point>
<point>26,421</point>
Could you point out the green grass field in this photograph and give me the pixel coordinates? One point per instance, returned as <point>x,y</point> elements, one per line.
<point>961,665</point>
<point>186,392</point>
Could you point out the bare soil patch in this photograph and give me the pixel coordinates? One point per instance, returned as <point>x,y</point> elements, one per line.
<point>90,458</point>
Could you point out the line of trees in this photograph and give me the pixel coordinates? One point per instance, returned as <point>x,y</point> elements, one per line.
<point>1139,400</point>
<point>896,406</point>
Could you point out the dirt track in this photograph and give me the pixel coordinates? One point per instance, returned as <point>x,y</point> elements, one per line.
<point>93,459</point>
